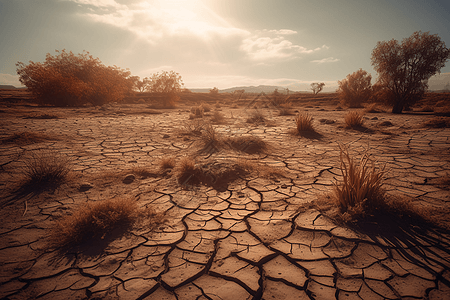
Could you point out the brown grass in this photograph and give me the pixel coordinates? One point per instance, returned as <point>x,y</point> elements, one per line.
<point>167,162</point>
<point>354,119</point>
<point>186,171</point>
<point>373,108</point>
<point>256,117</point>
<point>248,144</point>
<point>45,169</point>
<point>361,190</point>
<point>303,122</point>
<point>218,117</point>
<point>94,221</point>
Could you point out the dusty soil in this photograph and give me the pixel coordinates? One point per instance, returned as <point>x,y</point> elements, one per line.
<point>237,235</point>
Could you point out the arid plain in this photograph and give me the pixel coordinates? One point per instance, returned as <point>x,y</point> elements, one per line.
<point>253,232</point>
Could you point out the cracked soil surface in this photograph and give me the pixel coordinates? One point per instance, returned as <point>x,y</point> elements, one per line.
<point>253,238</point>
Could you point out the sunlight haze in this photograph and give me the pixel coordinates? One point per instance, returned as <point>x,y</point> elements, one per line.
<point>213,43</point>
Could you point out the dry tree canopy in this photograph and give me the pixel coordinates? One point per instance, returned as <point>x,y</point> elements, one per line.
<point>67,79</point>
<point>404,68</point>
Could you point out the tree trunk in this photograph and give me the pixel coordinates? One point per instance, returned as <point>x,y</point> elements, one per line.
<point>398,107</point>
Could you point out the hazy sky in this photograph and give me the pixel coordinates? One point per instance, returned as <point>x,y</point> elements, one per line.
<point>217,43</point>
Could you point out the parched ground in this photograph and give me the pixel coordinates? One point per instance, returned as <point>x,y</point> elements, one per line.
<point>253,235</point>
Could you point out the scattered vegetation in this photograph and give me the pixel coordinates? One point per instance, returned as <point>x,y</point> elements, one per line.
<point>361,189</point>
<point>256,117</point>
<point>218,117</point>
<point>404,69</point>
<point>96,221</point>
<point>249,144</point>
<point>317,87</point>
<point>304,124</point>
<point>74,80</point>
<point>167,162</point>
<point>44,169</point>
<point>356,89</point>
<point>354,119</point>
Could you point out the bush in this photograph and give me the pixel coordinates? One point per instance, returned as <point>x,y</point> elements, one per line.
<point>304,123</point>
<point>45,169</point>
<point>354,119</point>
<point>355,89</point>
<point>94,221</point>
<point>69,80</point>
<point>361,189</point>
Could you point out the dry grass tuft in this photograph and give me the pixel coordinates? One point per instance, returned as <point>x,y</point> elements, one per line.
<point>354,119</point>
<point>197,112</point>
<point>361,190</point>
<point>248,144</point>
<point>45,169</point>
<point>187,173</point>
<point>94,221</point>
<point>218,117</point>
<point>167,162</point>
<point>256,117</point>
<point>373,108</point>
<point>304,123</point>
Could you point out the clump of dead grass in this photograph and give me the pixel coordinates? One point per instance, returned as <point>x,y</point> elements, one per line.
<point>197,112</point>
<point>354,119</point>
<point>361,190</point>
<point>373,108</point>
<point>218,117</point>
<point>95,221</point>
<point>44,169</point>
<point>249,144</point>
<point>186,171</point>
<point>303,123</point>
<point>256,117</point>
<point>167,162</point>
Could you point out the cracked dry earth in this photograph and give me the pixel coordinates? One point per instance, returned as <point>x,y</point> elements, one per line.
<point>254,239</point>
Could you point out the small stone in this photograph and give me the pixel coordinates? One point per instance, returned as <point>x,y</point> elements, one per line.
<point>129,179</point>
<point>166,136</point>
<point>85,186</point>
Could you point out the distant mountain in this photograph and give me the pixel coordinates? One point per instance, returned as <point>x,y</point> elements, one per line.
<point>7,87</point>
<point>248,89</point>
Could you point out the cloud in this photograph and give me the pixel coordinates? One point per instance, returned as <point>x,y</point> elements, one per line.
<point>326,60</point>
<point>267,48</point>
<point>8,79</point>
<point>155,20</point>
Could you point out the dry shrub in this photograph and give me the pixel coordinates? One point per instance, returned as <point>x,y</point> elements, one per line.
<point>426,108</point>
<point>44,169</point>
<point>194,127</point>
<point>285,109</point>
<point>94,221</point>
<point>74,80</point>
<point>304,123</point>
<point>218,117</point>
<point>167,163</point>
<point>354,119</point>
<point>186,172</point>
<point>206,107</point>
<point>248,144</point>
<point>438,122</point>
<point>262,170</point>
<point>361,190</point>
<point>197,112</point>
<point>256,117</point>
<point>373,108</point>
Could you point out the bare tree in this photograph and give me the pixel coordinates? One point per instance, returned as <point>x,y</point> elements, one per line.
<point>404,68</point>
<point>317,87</point>
<point>355,88</point>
